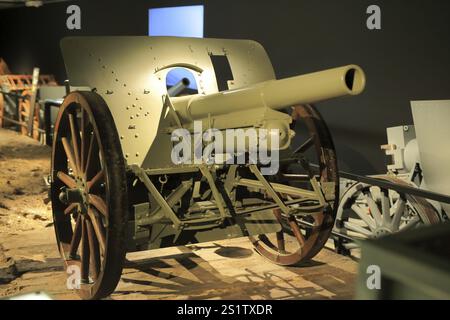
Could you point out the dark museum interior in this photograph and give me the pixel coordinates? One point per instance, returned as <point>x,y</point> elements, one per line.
<point>377,197</point>
<point>299,36</point>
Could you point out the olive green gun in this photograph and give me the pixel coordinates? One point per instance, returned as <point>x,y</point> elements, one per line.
<point>116,187</point>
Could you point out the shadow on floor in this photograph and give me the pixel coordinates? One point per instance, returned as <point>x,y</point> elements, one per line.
<point>188,276</point>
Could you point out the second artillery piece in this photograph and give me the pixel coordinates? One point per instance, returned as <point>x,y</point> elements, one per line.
<point>115,188</point>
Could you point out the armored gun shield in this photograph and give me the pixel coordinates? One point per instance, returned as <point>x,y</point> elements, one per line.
<point>121,181</point>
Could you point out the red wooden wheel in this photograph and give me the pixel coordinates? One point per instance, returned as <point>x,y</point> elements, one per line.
<point>89,193</point>
<point>302,237</point>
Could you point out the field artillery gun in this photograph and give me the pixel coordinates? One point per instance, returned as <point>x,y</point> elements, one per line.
<point>19,105</point>
<point>115,186</point>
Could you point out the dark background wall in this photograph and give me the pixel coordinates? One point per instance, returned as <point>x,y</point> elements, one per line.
<point>409,59</point>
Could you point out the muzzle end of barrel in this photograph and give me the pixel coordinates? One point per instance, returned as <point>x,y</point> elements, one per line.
<point>355,79</point>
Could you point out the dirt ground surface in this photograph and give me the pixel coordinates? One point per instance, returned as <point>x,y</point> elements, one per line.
<point>23,165</point>
<point>229,269</point>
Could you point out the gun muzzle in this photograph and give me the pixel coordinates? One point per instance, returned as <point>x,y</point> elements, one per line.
<point>179,87</point>
<point>275,94</point>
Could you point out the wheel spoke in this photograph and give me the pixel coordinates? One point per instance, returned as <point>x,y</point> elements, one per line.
<point>85,254</point>
<point>97,178</point>
<point>76,237</point>
<point>66,179</point>
<point>374,211</point>
<point>98,203</point>
<point>411,224</point>
<point>358,229</point>
<point>398,213</point>
<point>75,140</point>
<point>277,214</point>
<point>296,231</point>
<point>98,229</point>
<point>280,234</point>
<point>280,242</point>
<point>92,144</point>
<point>83,139</point>
<point>385,207</point>
<point>70,208</point>
<point>364,216</point>
<point>306,145</point>
<point>351,245</point>
<point>93,249</point>
<point>69,154</point>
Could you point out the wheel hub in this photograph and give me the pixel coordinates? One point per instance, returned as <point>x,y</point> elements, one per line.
<point>78,195</point>
<point>381,232</point>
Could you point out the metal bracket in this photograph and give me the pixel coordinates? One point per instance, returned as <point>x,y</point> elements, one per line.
<point>254,169</point>
<point>166,205</point>
<point>141,234</point>
<point>143,177</point>
<point>172,111</point>
<point>159,214</point>
<point>216,194</point>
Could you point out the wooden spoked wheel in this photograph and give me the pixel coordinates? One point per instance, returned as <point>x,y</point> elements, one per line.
<point>24,112</point>
<point>302,237</point>
<point>370,212</point>
<point>89,194</point>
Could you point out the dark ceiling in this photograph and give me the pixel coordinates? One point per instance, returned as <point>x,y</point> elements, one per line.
<point>8,4</point>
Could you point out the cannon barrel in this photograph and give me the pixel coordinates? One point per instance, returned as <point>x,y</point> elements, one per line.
<point>275,94</point>
<point>178,87</point>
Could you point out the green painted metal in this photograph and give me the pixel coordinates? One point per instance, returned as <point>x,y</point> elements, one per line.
<point>413,264</point>
<point>130,75</point>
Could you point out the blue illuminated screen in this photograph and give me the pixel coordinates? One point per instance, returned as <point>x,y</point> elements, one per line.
<point>185,21</point>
